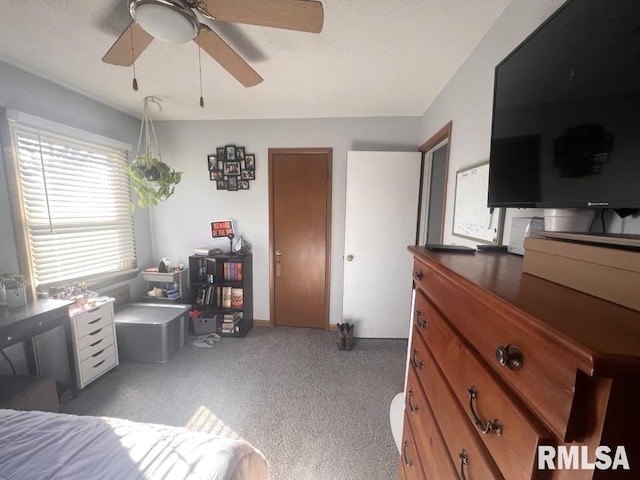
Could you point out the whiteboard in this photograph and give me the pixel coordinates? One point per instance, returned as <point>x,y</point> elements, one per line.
<point>471,217</point>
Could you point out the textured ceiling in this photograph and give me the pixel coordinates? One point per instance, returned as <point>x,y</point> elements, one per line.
<point>373,58</point>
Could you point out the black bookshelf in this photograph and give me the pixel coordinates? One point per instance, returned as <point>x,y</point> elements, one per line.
<point>216,283</point>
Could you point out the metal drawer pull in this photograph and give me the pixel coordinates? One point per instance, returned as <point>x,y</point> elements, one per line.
<point>463,462</point>
<point>407,461</point>
<point>417,363</point>
<point>418,275</point>
<point>421,322</point>
<point>510,356</point>
<point>413,408</point>
<point>494,426</point>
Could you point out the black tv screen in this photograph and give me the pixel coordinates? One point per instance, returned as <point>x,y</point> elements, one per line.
<point>566,113</point>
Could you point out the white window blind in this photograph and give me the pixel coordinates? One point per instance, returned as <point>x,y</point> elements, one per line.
<point>76,198</point>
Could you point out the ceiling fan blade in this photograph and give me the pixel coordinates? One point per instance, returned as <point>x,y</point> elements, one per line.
<point>303,15</point>
<point>120,52</point>
<point>222,53</point>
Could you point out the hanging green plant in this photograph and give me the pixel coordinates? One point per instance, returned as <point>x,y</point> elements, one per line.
<point>153,180</point>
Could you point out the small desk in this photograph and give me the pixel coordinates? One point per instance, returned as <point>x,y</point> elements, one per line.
<point>25,323</point>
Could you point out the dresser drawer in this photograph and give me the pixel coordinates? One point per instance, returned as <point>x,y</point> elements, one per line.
<point>97,364</point>
<point>458,432</point>
<point>96,346</point>
<point>546,380</point>
<point>509,431</point>
<point>432,450</point>
<point>89,322</point>
<point>409,459</point>
<point>94,336</point>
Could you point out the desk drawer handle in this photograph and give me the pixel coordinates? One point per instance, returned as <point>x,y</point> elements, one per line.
<point>96,343</point>
<point>99,363</point>
<point>417,363</point>
<point>418,275</point>
<point>494,426</point>
<point>463,462</point>
<point>413,408</point>
<point>100,318</point>
<point>510,356</point>
<point>421,322</point>
<point>407,461</point>
<point>96,332</point>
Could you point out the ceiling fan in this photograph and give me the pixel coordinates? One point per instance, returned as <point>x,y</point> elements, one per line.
<point>178,21</point>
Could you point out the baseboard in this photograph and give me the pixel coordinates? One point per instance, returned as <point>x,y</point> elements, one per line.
<point>262,323</point>
<point>333,327</point>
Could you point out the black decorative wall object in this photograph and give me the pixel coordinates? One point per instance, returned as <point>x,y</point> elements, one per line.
<point>231,168</point>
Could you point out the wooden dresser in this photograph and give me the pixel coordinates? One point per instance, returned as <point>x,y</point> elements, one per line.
<point>501,362</point>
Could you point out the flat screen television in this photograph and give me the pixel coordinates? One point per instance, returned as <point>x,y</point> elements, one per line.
<point>566,112</point>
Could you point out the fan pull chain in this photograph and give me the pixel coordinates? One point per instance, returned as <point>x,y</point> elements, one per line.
<point>200,70</point>
<point>133,62</point>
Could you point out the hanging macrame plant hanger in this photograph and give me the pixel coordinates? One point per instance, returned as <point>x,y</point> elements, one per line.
<point>152,179</point>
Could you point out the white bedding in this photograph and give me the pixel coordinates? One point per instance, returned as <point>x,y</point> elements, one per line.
<point>48,446</point>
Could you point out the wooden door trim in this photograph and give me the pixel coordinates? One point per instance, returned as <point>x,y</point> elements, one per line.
<point>299,151</point>
<point>443,134</point>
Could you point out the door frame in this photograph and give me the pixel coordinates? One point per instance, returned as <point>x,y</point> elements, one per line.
<point>272,257</point>
<point>442,135</point>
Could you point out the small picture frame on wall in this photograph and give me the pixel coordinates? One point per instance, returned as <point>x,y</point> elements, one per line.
<point>221,184</point>
<point>221,153</point>
<point>239,153</point>
<point>231,152</point>
<point>243,184</point>
<point>248,175</point>
<point>212,162</point>
<point>232,168</point>
<point>232,183</point>
<point>249,161</point>
<point>216,174</point>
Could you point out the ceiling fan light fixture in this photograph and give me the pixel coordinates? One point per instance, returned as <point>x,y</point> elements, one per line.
<point>169,20</point>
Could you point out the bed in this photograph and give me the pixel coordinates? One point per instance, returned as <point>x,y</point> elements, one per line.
<point>47,446</point>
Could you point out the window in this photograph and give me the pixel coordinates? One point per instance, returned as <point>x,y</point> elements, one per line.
<point>75,199</point>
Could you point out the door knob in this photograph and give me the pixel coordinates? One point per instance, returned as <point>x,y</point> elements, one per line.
<point>279,252</point>
<point>349,258</point>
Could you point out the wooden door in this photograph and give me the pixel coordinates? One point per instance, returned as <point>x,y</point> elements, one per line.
<point>380,222</point>
<point>300,234</point>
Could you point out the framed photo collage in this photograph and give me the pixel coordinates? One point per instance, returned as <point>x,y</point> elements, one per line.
<point>231,168</point>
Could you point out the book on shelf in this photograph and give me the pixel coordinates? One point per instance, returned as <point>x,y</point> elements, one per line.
<point>231,317</point>
<point>232,271</point>
<point>237,295</point>
<point>226,297</point>
<point>230,328</point>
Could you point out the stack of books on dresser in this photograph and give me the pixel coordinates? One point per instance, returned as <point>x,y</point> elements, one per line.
<point>230,322</point>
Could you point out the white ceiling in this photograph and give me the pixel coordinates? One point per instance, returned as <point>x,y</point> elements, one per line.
<point>373,58</point>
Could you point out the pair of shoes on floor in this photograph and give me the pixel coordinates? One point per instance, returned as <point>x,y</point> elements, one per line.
<point>345,336</point>
<point>206,341</point>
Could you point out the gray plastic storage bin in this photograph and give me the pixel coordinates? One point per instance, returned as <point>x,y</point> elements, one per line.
<point>151,332</point>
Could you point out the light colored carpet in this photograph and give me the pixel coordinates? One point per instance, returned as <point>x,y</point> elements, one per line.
<point>317,413</point>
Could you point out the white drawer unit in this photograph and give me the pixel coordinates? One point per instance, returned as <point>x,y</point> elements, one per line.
<point>94,342</point>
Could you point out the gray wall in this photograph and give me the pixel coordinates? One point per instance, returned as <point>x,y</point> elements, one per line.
<point>467,100</point>
<point>182,223</point>
<point>29,94</point>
